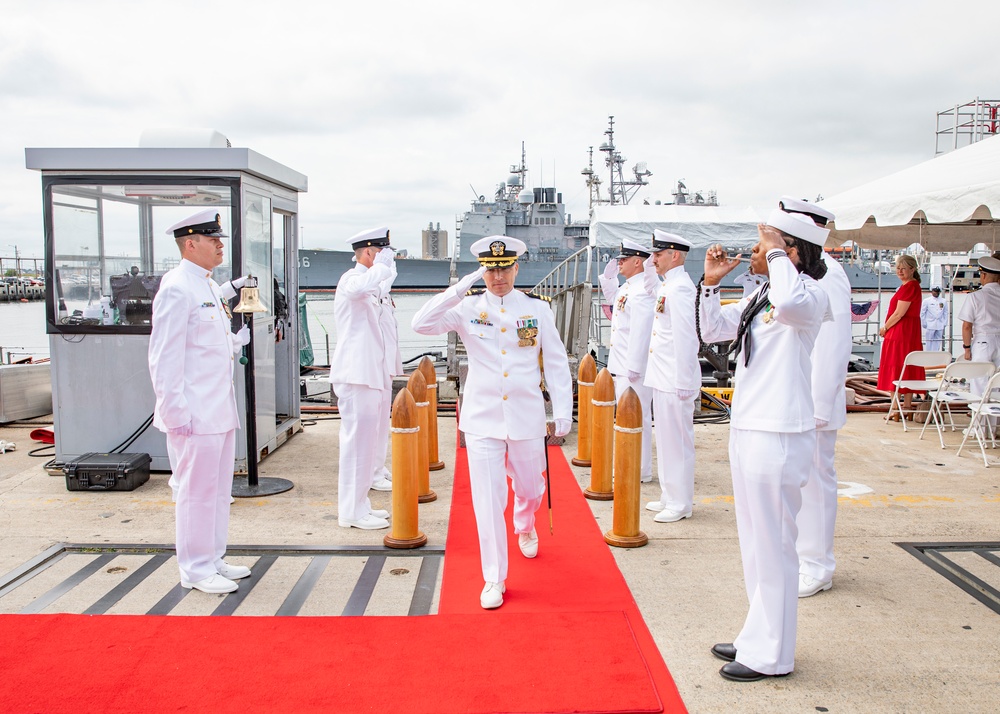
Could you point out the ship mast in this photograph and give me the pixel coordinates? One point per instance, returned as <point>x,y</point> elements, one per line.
<point>620,190</point>
<point>592,180</point>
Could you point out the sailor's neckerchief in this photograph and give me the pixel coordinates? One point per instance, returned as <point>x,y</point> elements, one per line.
<point>743,341</point>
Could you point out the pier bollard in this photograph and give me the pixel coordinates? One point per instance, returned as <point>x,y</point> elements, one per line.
<point>603,436</point>
<point>625,531</point>
<point>426,367</point>
<point>405,431</point>
<point>585,410</point>
<point>418,388</point>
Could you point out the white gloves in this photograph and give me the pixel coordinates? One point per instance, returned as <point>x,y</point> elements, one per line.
<point>650,280</point>
<point>562,427</point>
<point>686,394</point>
<point>230,289</point>
<point>611,270</point>
<point>386,257</point>
<point>633,376</point>
<point>821,423</point>
<point>243,336</point>
<point>463,285</point>
<point>238,283</point>
<point>185,430</point>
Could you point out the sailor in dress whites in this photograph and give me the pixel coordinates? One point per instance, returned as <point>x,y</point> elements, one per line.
<point>631,322</point>
<point>674,375</point>
<point>772,434</point>
<point>191,361</point>
<point>506,333</point>
<point>366,358</point>
<point>830,357</point>
<point>933,318</point>
<point>980,316</point>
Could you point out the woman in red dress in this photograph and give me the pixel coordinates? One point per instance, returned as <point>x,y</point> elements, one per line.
<point>902,333</point>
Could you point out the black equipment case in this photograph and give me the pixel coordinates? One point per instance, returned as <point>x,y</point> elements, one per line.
<point>107,472</point>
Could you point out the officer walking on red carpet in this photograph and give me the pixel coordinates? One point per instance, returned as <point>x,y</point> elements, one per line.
<point>366,357</point>
<point>674,375</point>
<point>506,334</point>
<point>191,361</point>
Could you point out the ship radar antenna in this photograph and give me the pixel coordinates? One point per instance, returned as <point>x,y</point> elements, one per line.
<point>621,190</point>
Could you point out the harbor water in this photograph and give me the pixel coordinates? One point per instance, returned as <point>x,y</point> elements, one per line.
<point>22,326</point>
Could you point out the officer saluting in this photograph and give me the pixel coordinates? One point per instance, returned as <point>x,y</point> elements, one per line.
<point>505,333</point>
<point>366,357</point>
<point>191,360</point>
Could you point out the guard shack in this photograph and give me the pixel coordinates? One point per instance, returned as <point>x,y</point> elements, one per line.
<point>106,212</point>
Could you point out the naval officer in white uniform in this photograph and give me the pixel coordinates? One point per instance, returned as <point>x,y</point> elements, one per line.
<point>830,357</point>
<point>506,334</point>
<point>980,316</point>
<point>772,434</point>
<point>366,358</point>
<point>631,322</point>
<point>933,318</point>
<point>191,360</point>
<point>674,375</point>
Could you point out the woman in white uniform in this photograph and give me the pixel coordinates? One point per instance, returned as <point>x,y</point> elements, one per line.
<point>772,433</point>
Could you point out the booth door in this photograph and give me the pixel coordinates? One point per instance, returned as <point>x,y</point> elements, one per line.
<point>257,261</point>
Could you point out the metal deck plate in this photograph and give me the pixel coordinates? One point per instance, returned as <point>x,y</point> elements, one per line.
<point>974,567</point>
<point>136,579</point>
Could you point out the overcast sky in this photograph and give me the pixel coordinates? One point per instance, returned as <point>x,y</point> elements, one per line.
<point>397,110</point>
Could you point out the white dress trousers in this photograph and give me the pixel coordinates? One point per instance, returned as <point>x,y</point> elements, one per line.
<point>818,514</point>
<point>769,470</point>
<point>675,450</point>
<point>645,395</point>
<point>490,460</point>
<point>363,418</point>
<point>202,465</point>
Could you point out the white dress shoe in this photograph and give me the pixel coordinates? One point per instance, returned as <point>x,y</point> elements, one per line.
<point>809,586</point>
<point>214,583</point>
<point>528,543</point>
<point>379,513</point>
<point>383,484</point>
<point>233,572</point>
<point>665,516</point>
<point>654,506</point>
<point>492,596</point>
<point>646,479</point>
<point>367,522</point>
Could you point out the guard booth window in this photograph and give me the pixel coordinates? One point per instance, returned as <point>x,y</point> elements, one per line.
<point>110,250</point>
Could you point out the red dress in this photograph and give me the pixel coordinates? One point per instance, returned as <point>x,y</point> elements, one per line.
<point>901,339</point>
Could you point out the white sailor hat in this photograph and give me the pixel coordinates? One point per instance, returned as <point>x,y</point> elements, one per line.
<point>798,225</point>
<point>631,249</point>
<point>498,251</point>
<point>663,240</point>
<point>370,238</point>
<point>206,223</point>
<point>989,264</point>
<point>935,289</point>
<point>820,216</point>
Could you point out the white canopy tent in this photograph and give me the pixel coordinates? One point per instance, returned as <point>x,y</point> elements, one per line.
<point>948,203</point>
<point>734,227</point>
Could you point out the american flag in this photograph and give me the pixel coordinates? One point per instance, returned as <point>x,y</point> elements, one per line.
<point>860,311</point>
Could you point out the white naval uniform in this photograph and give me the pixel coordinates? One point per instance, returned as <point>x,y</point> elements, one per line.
<point>830,357</point>
<point>933,318</point>
<point>771,444</point>
<point>982,309</point>
<point>631,322</point>
<point>503,412</point>
<point>191,361</point>
<point>673,365</point>
<point>366,357</point>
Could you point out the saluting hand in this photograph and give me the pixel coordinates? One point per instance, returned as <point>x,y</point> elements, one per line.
<point>718,264</point>
<point>611,270</point>
<point>463,285</point>
<point>385,257</point>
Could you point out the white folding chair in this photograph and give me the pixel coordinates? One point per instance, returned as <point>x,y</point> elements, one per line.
<point>981,426</point>
<point>927,360</point>
<point>955,387</point>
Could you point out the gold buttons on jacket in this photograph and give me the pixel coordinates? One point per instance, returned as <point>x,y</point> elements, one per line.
<point>504,374</point>
<point>505,397</point>
<point>503,352</point>
<point>503,329</point>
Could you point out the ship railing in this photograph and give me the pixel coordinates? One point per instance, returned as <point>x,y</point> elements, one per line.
<point>570,289</point>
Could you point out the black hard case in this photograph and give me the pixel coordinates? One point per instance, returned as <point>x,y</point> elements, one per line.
<point>107,472</point>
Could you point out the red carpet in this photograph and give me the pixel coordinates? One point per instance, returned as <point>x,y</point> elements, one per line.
<point>550,648</point>
<point>574,574</point>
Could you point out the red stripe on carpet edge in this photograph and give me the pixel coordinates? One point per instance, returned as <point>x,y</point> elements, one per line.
<point>574,569</point>
<point>447,664</point>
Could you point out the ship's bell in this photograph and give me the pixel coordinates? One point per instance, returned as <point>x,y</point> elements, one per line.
<point>250,298</point>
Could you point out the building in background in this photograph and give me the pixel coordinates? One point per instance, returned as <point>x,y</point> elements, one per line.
<point>434,242</point>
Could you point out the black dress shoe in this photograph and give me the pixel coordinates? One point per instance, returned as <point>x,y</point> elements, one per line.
<point>741,673</point>
<point>724,651</point>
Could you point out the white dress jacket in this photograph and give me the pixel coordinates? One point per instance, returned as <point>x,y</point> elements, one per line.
<point>367,351</point>
<point>673,343</point>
